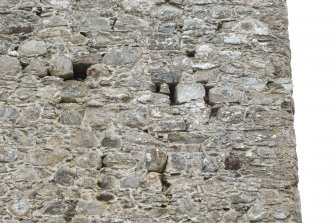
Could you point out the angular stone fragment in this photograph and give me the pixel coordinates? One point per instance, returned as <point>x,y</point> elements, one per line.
<point>187,92</point>
<point>65,177</point>
<point>174,123</point>
<point>33,48</point>
<point>96,25</point>
<point>73,91</point>
<point>9,65</point>
<point>61,66</point>
<point>122,56</point>
<point>37,67</point>
<point>224,95</point>
<point>155,160</point>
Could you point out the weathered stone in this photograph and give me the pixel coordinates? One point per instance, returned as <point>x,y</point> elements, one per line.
<point>208,164</point>
<point>33,48</point>
<point>84,138</point>
<point>71,116</point>
<point>155,160</point>
<point>256,213</point>
<point>168,12</point>
<point>7,154</point>
<point>160,77</point>
<point>122,56</point>
<point>91,208</point>
<point>37,67</point>
<point>61,66</point>
<point>108,183</point>
<point>98,70</point>
<point>9,65</point>
<point>45,157</point>
<point>111,142</point>
<point>96,25</point>
<point>65,177</point>
<point>164,42</point>
<point>130,22</point>
<point>187,92</point>
<point>20,206</point>
<point>281,214</point>
<point>73,91</point>
<point>152,182</point>
<point>119,161</point>
<point>224,95</point>
<point>8,114</point>
<point>174,123</point>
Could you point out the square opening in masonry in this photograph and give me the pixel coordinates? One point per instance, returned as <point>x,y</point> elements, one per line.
<point>79,71</point>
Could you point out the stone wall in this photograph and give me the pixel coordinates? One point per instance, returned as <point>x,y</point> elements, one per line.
<point>146,111</point>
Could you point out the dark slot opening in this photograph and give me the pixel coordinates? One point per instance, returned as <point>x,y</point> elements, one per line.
<point>158,88</point>
<point>79,71</point>
<point>172,89</point>
<point>206,98</point>
<point>214,112</point>
<point>190,53</point>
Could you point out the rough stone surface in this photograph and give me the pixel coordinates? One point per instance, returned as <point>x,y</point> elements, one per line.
<point>61,66</point>
<point>146,111</point>
<point>33,48</point>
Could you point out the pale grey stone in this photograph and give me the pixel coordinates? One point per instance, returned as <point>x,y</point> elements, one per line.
<point>175,123</point>
<point>131,22</point>
<point>281,214</point>
<point>73,91</point>
<point>20,206</point>
<point>9,65</point>
<point>155,160</point>
<point>256,213</point>
<point>96,25</point>
<point>187,92</point>
<point>71,116</point>
<point>168,12</point>
<point>61,66</point>
<point>224,95</point>
<point>119,161</point>
<point>33,48</point>
<point>7,154</point>
<point>122,56</point>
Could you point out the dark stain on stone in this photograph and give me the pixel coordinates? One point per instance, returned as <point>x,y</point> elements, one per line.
<point>232,163</point>
<point>104,197</point>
